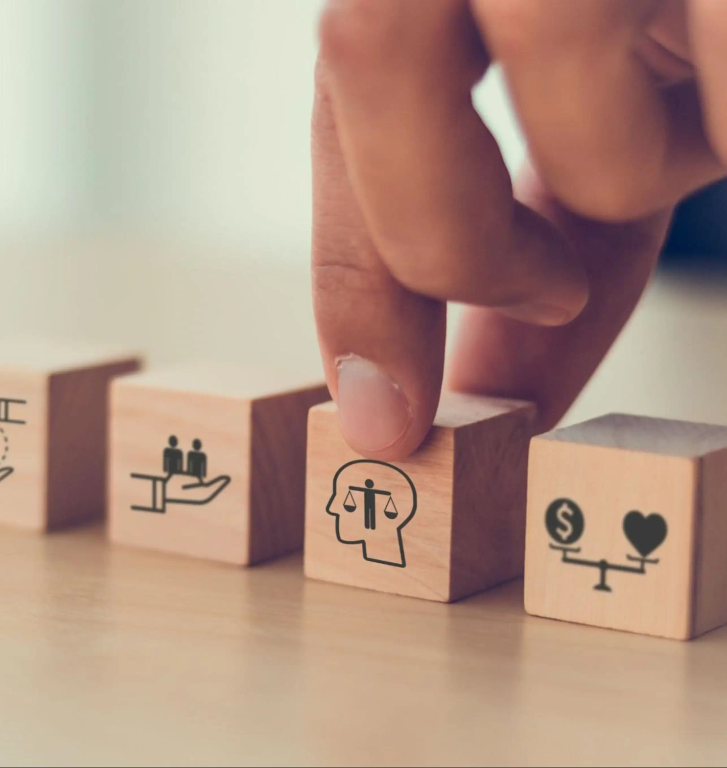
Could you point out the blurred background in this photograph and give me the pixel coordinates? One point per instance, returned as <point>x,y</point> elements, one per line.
<point>155,191</point>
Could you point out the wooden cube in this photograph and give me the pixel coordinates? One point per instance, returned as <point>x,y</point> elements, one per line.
<point>627,525</point>
<point>53,413</point>
<point>445,523</point>
<point>209,461</point>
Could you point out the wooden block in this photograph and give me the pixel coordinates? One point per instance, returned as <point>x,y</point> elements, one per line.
<point>445,523</point>
<point>53,414</point>
<point>209,461</point>
<point>627,525</point>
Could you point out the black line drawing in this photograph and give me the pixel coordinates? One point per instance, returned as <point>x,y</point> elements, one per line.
<point>387,545</point>
<point>5,414</point>
<point>4,451</point>
<point>565,523</point>
<point>197,461</point>
<point>179,485</point>
<point>369,494</point>
<point>173,458</point>
<point>6,417</point>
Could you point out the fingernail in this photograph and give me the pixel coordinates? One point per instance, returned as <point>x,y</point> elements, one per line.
<point>538,314</point>
<point>372,410</point>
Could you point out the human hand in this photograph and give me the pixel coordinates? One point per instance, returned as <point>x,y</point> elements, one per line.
<point>413,205</point>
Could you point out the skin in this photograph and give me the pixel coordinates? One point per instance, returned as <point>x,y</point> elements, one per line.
<point>624,110</point>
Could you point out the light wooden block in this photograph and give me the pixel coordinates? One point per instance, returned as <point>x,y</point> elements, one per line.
<point>53,415</point>
<point>445,523</point>
<point>248,504</point>
<point>627,525</point>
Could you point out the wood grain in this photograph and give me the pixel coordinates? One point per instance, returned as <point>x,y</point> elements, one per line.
<point>58,455</point>
<point>710,579</point>
<point>610,467</point>
<point>465,534</point>
<point>629,432</point>
<point>23,494</point>
<point>490,485</point>
<point>277,480</point>
<point>77,441</point>
<point>117,656</point>
<point>253,435</point>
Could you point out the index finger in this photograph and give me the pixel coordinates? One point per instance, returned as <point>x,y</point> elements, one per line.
<point>433,188</point>
<point>382,345</point>
<point>405,210</point>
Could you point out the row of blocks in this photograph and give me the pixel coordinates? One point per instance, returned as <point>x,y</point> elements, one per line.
<point>626,516</point>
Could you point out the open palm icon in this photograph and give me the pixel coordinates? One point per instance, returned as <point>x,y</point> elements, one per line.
<point>178,489</point>
<point>182,482</point>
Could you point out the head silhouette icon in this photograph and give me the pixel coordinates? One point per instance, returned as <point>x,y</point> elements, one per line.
<point>372,502</point>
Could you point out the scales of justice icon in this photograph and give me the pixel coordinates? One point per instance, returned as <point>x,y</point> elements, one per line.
<point>378,531</point>
<point>369,494</point>
<point>565,523</point>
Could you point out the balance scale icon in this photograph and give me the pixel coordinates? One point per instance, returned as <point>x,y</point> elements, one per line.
<point>565,523</point>
<point>369,494</point>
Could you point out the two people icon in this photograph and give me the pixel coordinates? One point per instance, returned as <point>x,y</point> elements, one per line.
<point>173,459</point>
<point>179,484</point>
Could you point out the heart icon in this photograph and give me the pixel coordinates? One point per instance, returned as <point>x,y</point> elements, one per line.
<point>644,533</point>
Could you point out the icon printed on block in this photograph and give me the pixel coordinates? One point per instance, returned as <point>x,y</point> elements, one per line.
<point>565,524</point>
<point>372,502</point>
<point>180,484</point>
<point>644,533</point>
<point>9,412</point>
<point>8,409</point>
<point>564,521</point>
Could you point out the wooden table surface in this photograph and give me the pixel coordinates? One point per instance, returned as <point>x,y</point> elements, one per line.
<point>119,656</point>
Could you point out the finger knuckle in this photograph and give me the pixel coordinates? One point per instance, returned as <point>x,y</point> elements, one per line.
<point>427,273</point>
<point>448,271</point>
<point>334,278</point>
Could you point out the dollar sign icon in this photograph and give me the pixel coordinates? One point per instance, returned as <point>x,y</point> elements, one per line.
<point>565,526</point>
<point>564,521</point>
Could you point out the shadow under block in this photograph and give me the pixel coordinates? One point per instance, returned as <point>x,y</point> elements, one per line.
<point>53,417</point>
<point>237,495</point>
<point>447,522</point>
<point>627,526</point>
